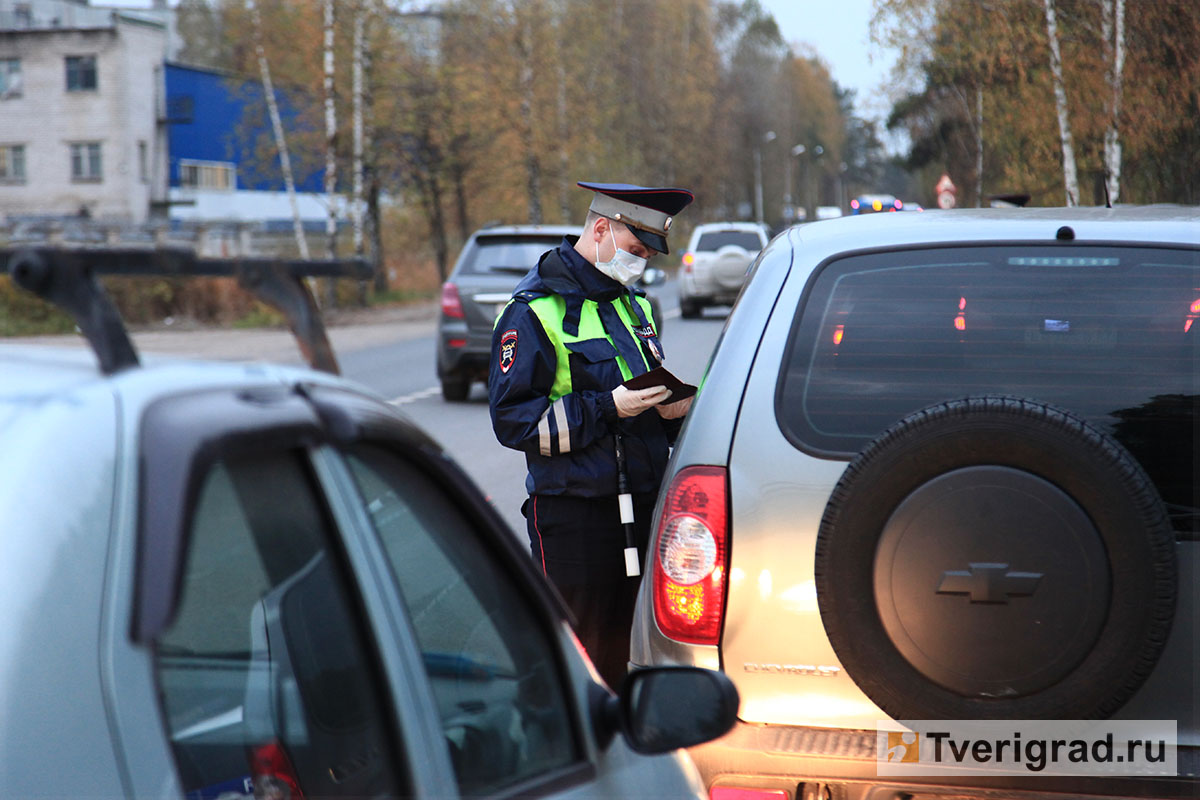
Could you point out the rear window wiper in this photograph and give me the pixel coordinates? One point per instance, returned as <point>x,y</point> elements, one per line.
<point>513,270</point>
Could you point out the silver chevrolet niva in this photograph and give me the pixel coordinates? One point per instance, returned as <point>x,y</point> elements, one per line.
<point>226,580</point>
<point>942,466</point>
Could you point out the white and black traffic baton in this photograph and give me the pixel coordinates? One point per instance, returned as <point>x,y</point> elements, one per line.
<point>633,566</point>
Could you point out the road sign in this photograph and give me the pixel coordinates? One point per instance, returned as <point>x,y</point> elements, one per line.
<point>945,191</point>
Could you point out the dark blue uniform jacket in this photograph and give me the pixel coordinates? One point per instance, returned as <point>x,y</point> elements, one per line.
<point>568,444</point>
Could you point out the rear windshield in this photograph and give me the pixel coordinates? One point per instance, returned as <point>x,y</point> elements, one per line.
<point>512,254</point>
<point>1109,333</point>
<point>747,240</point>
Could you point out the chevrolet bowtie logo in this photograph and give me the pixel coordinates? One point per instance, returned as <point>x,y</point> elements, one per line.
<point>989,583</point>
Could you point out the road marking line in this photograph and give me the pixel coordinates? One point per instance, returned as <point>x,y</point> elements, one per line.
<point>410,398</point>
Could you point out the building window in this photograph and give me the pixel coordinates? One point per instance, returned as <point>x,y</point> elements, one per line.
<point>218,175</point>
<point>142,171</point>
<point>180,108</point>
<point>85,161</point>
<point>12,163</point>
<point>10,78</point>
<point>23,15</point>
<point>81,73</point>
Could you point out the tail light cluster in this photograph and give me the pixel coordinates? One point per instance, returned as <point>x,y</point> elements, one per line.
<point>689,563</point>
<point>689,259</point>
<point>451,302</point>
<point>273,775</point>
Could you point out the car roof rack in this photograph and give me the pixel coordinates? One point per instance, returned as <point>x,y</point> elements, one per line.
<point>66,277</point>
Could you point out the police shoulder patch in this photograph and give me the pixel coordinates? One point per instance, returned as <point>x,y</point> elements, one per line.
<point>508,349</point>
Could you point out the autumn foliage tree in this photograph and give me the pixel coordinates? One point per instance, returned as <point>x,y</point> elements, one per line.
<point>491,110</point>
<point>985,109</point>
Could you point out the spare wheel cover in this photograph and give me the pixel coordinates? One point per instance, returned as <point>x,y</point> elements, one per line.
<point>729,265</point>
<point>996,558</point>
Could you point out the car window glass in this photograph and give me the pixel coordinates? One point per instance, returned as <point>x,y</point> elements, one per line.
<point>264,674</point>
<point>1106,332</point>
<point>747,240</point>
<point>516,254</point>
<point>493,663</point>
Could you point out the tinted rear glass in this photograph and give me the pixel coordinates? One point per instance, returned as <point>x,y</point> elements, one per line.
<point>747,240</point>
<point>1108,333</point>
<point>514,254</point>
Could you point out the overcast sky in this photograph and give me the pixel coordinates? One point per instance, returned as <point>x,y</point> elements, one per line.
<point>838,32</point>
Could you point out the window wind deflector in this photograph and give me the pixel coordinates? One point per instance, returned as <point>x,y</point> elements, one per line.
<point>66,277</point>
<point>181,437</point>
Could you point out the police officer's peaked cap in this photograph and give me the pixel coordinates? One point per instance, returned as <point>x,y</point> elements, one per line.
<point>646,210</point>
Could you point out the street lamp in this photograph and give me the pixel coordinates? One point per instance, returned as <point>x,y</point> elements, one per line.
<point>769,136</point>
<point>797,151</point>
<point>814,198</point>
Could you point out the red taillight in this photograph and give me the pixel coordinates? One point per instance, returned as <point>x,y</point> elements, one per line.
<point>272,773</point>
<point>451,304</point>
<point>689,560</point>
<point>688,260</point>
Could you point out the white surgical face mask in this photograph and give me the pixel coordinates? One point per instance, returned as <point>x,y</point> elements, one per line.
<point>624,267</point>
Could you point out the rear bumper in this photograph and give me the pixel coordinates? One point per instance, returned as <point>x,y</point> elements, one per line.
<point>468,360</point>
<point>704,289</point>
<point>804,761</point>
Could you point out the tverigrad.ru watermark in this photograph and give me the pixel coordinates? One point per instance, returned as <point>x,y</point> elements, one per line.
<point>1027,747</point>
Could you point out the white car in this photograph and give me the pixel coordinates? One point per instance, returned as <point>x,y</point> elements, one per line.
<point>716,262</point>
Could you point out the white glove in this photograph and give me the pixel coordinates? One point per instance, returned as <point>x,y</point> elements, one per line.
<point>631,402</point>
<point>674,410</point>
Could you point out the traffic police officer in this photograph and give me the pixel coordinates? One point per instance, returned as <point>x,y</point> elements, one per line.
<point>575,330</point>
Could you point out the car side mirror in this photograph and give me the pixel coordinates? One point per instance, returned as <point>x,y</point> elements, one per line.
<point>660,709</point>
<point>652,276</point>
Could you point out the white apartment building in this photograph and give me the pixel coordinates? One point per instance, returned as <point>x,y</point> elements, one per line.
<point>82,130</point>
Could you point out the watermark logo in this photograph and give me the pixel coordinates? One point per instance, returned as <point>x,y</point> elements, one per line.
<point>903,747</point>
<point>1027,747</point>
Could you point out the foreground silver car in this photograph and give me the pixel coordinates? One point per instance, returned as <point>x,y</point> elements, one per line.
<point>942,466</point>
<point>225,580</point>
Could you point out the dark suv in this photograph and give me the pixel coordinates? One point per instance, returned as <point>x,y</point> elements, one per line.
<point>942,467</point>
<point>491,264</point>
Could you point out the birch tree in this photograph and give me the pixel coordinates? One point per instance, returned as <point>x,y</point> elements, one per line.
<point>285,161</point>
<point>1114,44</point>
<point>330,155</point>
<point>1070,177</point>
<point>357,92</point>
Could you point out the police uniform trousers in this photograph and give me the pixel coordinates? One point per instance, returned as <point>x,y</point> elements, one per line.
<point>579,544</point>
